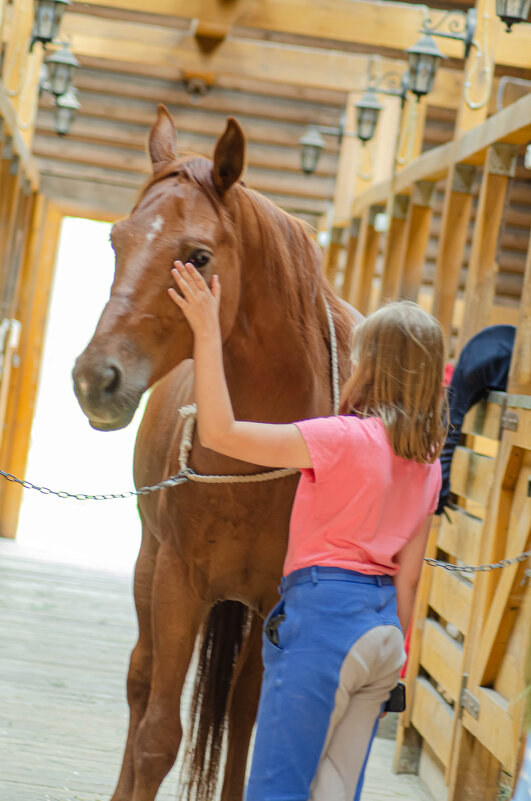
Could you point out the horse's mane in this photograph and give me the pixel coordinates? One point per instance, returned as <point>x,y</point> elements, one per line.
<point>293,257</point>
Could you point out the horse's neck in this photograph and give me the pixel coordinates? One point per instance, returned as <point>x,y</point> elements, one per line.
<point>274,374</point>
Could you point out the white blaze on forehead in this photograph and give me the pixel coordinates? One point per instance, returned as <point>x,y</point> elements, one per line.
<point>155,227</point>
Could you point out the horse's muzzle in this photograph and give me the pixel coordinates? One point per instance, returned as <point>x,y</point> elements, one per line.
<point>104,392</point>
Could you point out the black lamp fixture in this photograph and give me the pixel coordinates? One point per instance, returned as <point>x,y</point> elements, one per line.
<point>368,108</point>
<point>61,66</point>
<point>47,20</point>
<point>312,143</point>
<point>67,106</point>
<point>511,11</point>
<point>367,113</point>
<point>423,59</point>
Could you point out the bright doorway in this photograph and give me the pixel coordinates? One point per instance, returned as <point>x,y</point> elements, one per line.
<point>65,452</point>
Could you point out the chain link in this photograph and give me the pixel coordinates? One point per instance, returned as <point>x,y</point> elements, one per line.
<point>172,481</point>
<point>186,475</point>
<point>478,568</point>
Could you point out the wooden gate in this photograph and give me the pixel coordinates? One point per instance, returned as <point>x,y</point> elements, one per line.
<point>465,676</point>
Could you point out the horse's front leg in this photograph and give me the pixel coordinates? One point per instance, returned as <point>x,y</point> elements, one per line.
<point>139,676</point>
<point>243,705</point>
<point>177,616</point>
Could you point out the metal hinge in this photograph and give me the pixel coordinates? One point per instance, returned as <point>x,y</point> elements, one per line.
<point>467,700</point>
<point>509,421</point>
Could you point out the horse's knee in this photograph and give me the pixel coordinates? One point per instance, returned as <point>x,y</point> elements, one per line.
<point>139,677</point>
<point>157,744</point>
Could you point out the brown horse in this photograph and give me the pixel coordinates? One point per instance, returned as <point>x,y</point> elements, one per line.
<point>211,555</point>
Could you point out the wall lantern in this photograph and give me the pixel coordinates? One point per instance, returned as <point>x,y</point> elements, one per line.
<point>47,20</point>
<point>423,60</point>
<point>511,11</point>
<point>61,65</point>
<point>312,144</point>
<point>367,114</point>
<point>368,108</point>
<point>67,106</point>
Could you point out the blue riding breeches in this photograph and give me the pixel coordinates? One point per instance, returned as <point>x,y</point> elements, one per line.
<point>332,651</point>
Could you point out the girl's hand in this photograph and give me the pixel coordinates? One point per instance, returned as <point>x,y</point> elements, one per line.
<point>199,304</point>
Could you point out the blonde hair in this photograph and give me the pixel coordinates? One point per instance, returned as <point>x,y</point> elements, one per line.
<point>398,361</point>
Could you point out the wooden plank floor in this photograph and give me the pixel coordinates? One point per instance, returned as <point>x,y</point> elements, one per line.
<point>66,635</point>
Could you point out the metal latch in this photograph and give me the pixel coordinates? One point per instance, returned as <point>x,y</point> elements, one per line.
<point>469,702</point>
<point>509,420</point>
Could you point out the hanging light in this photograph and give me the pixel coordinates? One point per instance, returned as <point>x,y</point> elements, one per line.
<point>61,65</point>
<point>312,143</point>
<point>511,11</point>
<point>47,20</point>
<point>367,113</point>
<point>67,106</point>
<point>423,58</point>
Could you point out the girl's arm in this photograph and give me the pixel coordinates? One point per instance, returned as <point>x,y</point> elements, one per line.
<point>259,443</point>
<point>410,559</point>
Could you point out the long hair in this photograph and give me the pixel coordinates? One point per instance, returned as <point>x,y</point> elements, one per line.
<point>398,358</point>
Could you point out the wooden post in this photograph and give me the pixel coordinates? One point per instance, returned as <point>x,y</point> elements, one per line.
<point>395,245</point>
<point>417,237</point>
<point>452,241</point>
<point>366,255</point>
<point>520,372</point>
<point>479,69</point>
<point>333,254</point>
<point>31,311</point>
<point>349,157</point>
<point>352,245</point>
<point>482,265</point>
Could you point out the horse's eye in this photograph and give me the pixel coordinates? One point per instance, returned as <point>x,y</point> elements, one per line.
<point>199,258</point>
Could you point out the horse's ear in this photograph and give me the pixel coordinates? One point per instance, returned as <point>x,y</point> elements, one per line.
<point>162,140</point>
<point>229,156</point>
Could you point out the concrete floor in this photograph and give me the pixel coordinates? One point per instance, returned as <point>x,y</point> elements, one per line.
<point>66,635</point>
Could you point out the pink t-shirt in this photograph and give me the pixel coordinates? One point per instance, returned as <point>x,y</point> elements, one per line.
<point>360,503</point>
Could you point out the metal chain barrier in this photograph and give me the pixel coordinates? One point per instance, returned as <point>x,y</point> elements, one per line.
<point>172,481</point>
<point>188,475</point>
<point>478,568</point>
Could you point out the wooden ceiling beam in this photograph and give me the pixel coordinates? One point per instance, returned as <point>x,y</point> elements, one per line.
<point>73,164</point>
<point>100,201</point>
<point>189,121</point>
<point>156,46</point>
<point>380,25</point>
<point>223,101</point>
<point>99,141</point>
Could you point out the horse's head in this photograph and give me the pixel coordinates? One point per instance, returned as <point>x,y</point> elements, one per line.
<point>181,214</point>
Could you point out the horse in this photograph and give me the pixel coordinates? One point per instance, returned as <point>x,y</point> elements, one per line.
<point>211,554</point>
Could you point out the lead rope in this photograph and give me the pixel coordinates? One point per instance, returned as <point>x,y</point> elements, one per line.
<point>189,413</point>
<point>186,473</point>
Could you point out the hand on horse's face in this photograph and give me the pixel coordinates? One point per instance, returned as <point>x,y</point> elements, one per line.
<point>199,304</point>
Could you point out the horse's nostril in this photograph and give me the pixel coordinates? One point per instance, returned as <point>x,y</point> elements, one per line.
<point>111,380</point>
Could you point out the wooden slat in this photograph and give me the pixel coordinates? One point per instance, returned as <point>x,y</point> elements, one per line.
<point>494,727</point>
<point>462,537</point>
<point>471,475</point>
<point>450,597</point>
<point>432,716</point>
<point>442,658</point>
<point>483,420</point>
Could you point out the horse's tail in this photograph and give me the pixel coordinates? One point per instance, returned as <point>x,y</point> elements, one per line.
<point>222,636</point>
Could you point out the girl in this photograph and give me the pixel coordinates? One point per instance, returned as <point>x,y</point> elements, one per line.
<point>370,481</point>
